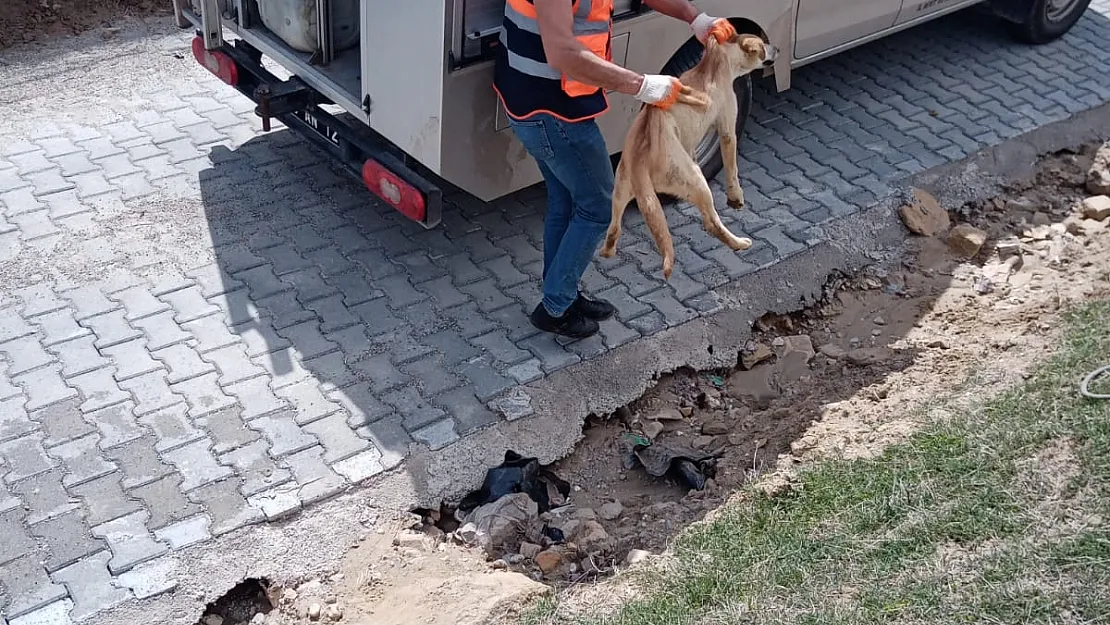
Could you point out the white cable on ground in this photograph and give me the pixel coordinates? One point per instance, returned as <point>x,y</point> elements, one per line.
<point>1083,386</point>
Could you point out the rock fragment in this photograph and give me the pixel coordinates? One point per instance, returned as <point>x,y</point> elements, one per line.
<point>924,215</point>
<point>966,240</point>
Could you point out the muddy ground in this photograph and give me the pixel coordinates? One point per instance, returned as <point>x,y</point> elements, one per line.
<point>844,378</point>
<point>27,21</point>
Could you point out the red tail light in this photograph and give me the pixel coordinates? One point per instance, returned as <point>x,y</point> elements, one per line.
<point>219,63</point>
<point>394,191</point>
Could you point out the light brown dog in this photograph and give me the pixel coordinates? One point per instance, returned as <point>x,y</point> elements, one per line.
<point>659,149</point>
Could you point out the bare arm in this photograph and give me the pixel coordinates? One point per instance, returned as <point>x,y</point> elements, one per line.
<point>569,56</point>
<point>679,9</point>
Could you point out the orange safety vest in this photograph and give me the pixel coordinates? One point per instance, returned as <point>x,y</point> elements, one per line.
<point>523,69</point>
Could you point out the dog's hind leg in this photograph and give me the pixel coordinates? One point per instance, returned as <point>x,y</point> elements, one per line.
<point>695,189</point>
<point>652,210</point>
<point>622,195</point>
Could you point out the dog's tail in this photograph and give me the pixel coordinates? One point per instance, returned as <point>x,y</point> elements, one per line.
<point>652,210</point>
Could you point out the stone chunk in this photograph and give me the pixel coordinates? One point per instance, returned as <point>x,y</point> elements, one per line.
<point>923,215</point>
<point>866,356</point>
<point>965,240</point>
<point>755,354</point>
<point>652,429</point>
<point>549,561</point>
<point>800,344</point>
<point>1097,207</point>
<point>610,511</point>
<point>1098,176</point>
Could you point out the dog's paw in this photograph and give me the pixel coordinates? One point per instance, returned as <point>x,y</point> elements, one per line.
<point>740,243</point>
<point>608,251</point>
<point>736,197</point>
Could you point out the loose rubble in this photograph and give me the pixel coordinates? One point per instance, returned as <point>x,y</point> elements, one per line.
<point>1098,175</point>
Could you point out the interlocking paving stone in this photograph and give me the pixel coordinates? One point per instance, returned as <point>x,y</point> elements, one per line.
<point>149,580</point>
<point>99,389</point>
<point>44,386</point>
<point>130,541</point>
<point>104,499</point>
<point>131,359</point>
<point>197,463</point>
<point>227,506</point>
<point>25,457</point>
<point>257,468</point>
<point>312,335</point>
<point>82,460</point>
<point>62,422</point>
<point>315,478</point>
<point>29,586</point>
<point>55,613</point>
<point>44,495</point>
<point>66,540</point>
<point>138,461</point>
<point>184,533</point>
<point>117,424</point>
<point>171,427</point>
<point>17,539</point>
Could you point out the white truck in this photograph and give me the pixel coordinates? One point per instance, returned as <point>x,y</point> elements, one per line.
<point>400,91</point>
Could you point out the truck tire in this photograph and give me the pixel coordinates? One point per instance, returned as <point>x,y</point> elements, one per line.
<point>1048,20</point>
<point>708,151</point>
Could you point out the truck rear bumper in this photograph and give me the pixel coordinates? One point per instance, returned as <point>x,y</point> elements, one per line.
<point>296,105</point>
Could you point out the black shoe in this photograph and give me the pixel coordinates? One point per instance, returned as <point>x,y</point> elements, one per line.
<point>573,323</point>
<point>596,309</point>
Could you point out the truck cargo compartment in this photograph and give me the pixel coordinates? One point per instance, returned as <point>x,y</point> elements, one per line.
<point>288,32</point>
<point>296,22</point>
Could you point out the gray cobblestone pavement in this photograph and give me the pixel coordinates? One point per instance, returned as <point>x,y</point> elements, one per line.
<point>204,327</point>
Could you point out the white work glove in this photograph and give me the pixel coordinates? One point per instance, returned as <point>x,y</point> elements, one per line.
<point>657,90</point>
<point>704,24</point>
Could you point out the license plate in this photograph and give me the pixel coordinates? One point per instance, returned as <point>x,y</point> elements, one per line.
<point>321,128</point>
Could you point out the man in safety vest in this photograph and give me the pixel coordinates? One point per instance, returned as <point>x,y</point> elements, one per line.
<point>551,74</point>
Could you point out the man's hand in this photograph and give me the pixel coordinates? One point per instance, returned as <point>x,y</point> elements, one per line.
<point>719,28</point>
<point>661,91</point>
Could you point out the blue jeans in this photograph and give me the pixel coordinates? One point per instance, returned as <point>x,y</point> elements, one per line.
<point>575,164</point>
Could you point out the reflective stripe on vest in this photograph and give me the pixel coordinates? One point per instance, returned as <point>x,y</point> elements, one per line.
<point>592,27</point>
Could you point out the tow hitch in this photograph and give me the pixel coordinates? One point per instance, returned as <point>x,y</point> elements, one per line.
<point>282,98</point>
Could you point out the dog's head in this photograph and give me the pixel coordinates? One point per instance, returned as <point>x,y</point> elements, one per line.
<point>746,53</point>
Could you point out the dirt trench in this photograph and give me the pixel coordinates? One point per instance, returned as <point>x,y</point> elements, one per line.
<point>28,21</point>
<point>844,378</point>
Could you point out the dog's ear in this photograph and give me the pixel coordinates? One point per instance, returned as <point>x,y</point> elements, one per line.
<point>751,44</point>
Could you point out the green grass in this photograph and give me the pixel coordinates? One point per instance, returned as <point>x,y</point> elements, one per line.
<point>957,525</point>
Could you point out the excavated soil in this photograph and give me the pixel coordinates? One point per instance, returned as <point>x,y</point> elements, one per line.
<point>27,21</point>
<point>845,378</point>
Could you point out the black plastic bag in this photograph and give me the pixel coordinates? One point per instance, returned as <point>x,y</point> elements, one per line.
<point>516,474</point>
